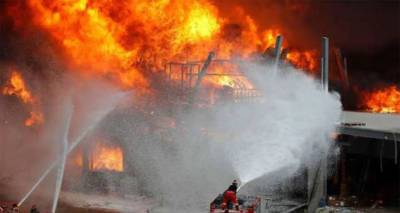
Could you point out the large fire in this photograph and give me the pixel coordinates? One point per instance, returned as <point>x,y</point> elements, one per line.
<point>118,38</point>
<point>106,157</point>
<point>127,41</point>
<point>386,100</point>
<point>16,86</point>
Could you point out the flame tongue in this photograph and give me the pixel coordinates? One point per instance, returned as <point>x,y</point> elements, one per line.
<point>303,60</point>
<point>16,86</point>
<point>386,100</point>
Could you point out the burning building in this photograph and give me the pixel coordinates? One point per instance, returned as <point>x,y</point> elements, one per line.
<point>158,50</point>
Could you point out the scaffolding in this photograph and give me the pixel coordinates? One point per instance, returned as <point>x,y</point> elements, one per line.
<point>185,79</point>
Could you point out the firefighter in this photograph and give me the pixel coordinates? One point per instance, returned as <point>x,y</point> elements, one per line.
<point>233,186</point>
<point>34,209</point>
<point>15,208</point>
<point>230,196</point>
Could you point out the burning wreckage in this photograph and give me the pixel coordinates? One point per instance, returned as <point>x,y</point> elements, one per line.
<point>62,96</point>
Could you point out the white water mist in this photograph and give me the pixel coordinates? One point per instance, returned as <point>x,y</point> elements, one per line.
<point>291,123</point>
<point>190,165</point>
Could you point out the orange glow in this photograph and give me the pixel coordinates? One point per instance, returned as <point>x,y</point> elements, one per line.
<point>111,37</point>
<point>269,38</point>
<point>304,60</point>
<point>125,40</point>
<point>386,100</point>
<point>16,86</point>
<point>106,157</point>
<point>227,75</point>
<point>78,159</point>
<point>201,25</point>
<point>35,118</point>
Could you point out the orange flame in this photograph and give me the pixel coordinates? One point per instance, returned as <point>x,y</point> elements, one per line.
<point>269,38</point>
<point>107,157</point>
<point>112,37</point>
<point>16,86</point>
<point>35,118</point>
<point>227,75</point>
<point>303,60</point>
<point>124,40</point>
<point>386,100</point>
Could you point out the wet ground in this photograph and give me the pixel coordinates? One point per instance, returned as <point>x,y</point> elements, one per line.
<point>74,202</point>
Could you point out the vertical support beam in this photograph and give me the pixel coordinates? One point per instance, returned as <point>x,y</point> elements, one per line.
<point>278,48</point>
<point>317,174</point>
<point>325,64</point>
<point>343,174</point>
<point>398,184</point>
<point>346,74</point>
<point>85,161</point>
<point>182,77</point>
<point>342,67</point>
<point>200,77</point>
<point>323,174</point>
<point>324,161</point>
<point>190,75</point>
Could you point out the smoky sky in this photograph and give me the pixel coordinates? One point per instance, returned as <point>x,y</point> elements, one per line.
<point>357,25</point>
<point>366,31</point>
<point>353,24</point>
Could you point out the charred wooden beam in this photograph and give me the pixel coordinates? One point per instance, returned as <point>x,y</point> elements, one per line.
<point>200,76</point>
<point>342,65</point>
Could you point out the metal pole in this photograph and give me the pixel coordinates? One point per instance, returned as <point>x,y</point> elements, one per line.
<point>324,160</point>
<point>322,72</point>
<point>325,64</point>
<point>317,188</point>
<point>278,47</point>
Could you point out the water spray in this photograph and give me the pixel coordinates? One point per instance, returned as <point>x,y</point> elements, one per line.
<point>76,142</point>
<point>63,160</point>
